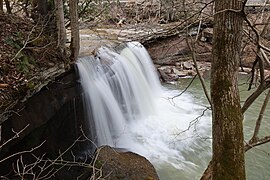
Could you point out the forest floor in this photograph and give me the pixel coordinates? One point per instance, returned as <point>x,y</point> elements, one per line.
<point>26,54</point>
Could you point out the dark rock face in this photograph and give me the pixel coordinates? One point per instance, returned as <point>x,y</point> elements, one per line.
<point>115,164</point>
<point>54,116</point>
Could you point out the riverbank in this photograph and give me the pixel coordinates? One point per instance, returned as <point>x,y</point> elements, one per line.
<point>29,60</point>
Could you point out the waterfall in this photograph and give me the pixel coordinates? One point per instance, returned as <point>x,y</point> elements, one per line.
<point>119,87</point>
<point>128,108</point>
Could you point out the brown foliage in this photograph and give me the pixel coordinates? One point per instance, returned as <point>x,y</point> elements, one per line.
<point>25,51</point>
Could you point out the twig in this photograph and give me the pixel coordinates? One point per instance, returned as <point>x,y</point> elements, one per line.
<point>198,72</point>
<point>61,155</point>
<point>22,152</point>
<point>259,120</point>
<point>261,88</point>
<point>17,135</point>
<point>186,88</point>
<point>194,121</point>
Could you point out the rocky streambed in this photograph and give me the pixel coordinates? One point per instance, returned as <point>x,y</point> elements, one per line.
<point>173,53</point>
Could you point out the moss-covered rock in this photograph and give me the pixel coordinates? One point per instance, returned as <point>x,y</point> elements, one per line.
<point>119,164</point>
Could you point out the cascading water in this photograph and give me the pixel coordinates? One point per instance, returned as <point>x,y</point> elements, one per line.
<point>117,90</point>
<point>132,110</point>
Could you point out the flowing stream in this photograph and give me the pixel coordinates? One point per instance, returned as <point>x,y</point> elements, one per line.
<point>128,108</point>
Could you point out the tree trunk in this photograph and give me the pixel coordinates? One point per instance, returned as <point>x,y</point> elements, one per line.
<point>75,37</point>
<point>1,7</point>
<point>60,22</point>
<point>40,10</point>
<point>43,7</point>
<point>8,6</point>
<point>227,128</point>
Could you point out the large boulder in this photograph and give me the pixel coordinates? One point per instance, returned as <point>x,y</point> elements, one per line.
<point>116,164</point>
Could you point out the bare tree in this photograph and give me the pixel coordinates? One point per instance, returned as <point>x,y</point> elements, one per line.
<point>60,22</point>
<point>1,6</point>
<point>75,37</point>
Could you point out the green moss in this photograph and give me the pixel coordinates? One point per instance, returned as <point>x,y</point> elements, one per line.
<point>30,85</point>
<point>25,63</point>
<point>98,164</point>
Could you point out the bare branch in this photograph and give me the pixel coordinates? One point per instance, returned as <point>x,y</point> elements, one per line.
<point>198,72</point>
<point>25,42</point>
<point>258,142</point>
<point>253,97</point>
<point>265,57</point>
<point>21,152</point>
<point>60,156</point>
<point>184,89</point>
<point>259,120</point>
<point>17,135</point>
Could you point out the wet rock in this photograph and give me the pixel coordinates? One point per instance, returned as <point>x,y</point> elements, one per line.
<point>166,69</point>
<point>191,73</point>
<point>173,73</point>
<point>173,77</point>
<point>179,73</point>
<point>187,66</point>
<point>207,35</point>
<point>162,75</point>
<point>167,73</point>
<point>116,164</point>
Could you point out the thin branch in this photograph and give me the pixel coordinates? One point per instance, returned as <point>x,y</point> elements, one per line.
<point>25,43</point>
<point>261,57</point>
<point>60,156</point>
<point>186,88</point>
<point>259,120</point>
<point>261,88</point>
<point>17,135</point>
<point>194,122</point>
<point>198,73</point>
<point>258,142</point>
<point>258,35</point>
<point>253,97</point>
<point>22,152</point>
<point>265,57</point>
<point>261,67</point>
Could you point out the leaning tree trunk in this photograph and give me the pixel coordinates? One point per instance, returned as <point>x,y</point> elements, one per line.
<point>75,37</point>
<point>227,128</point>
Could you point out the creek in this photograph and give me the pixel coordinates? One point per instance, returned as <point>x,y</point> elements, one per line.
<point>128,108</point>
<point>257,159</point>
